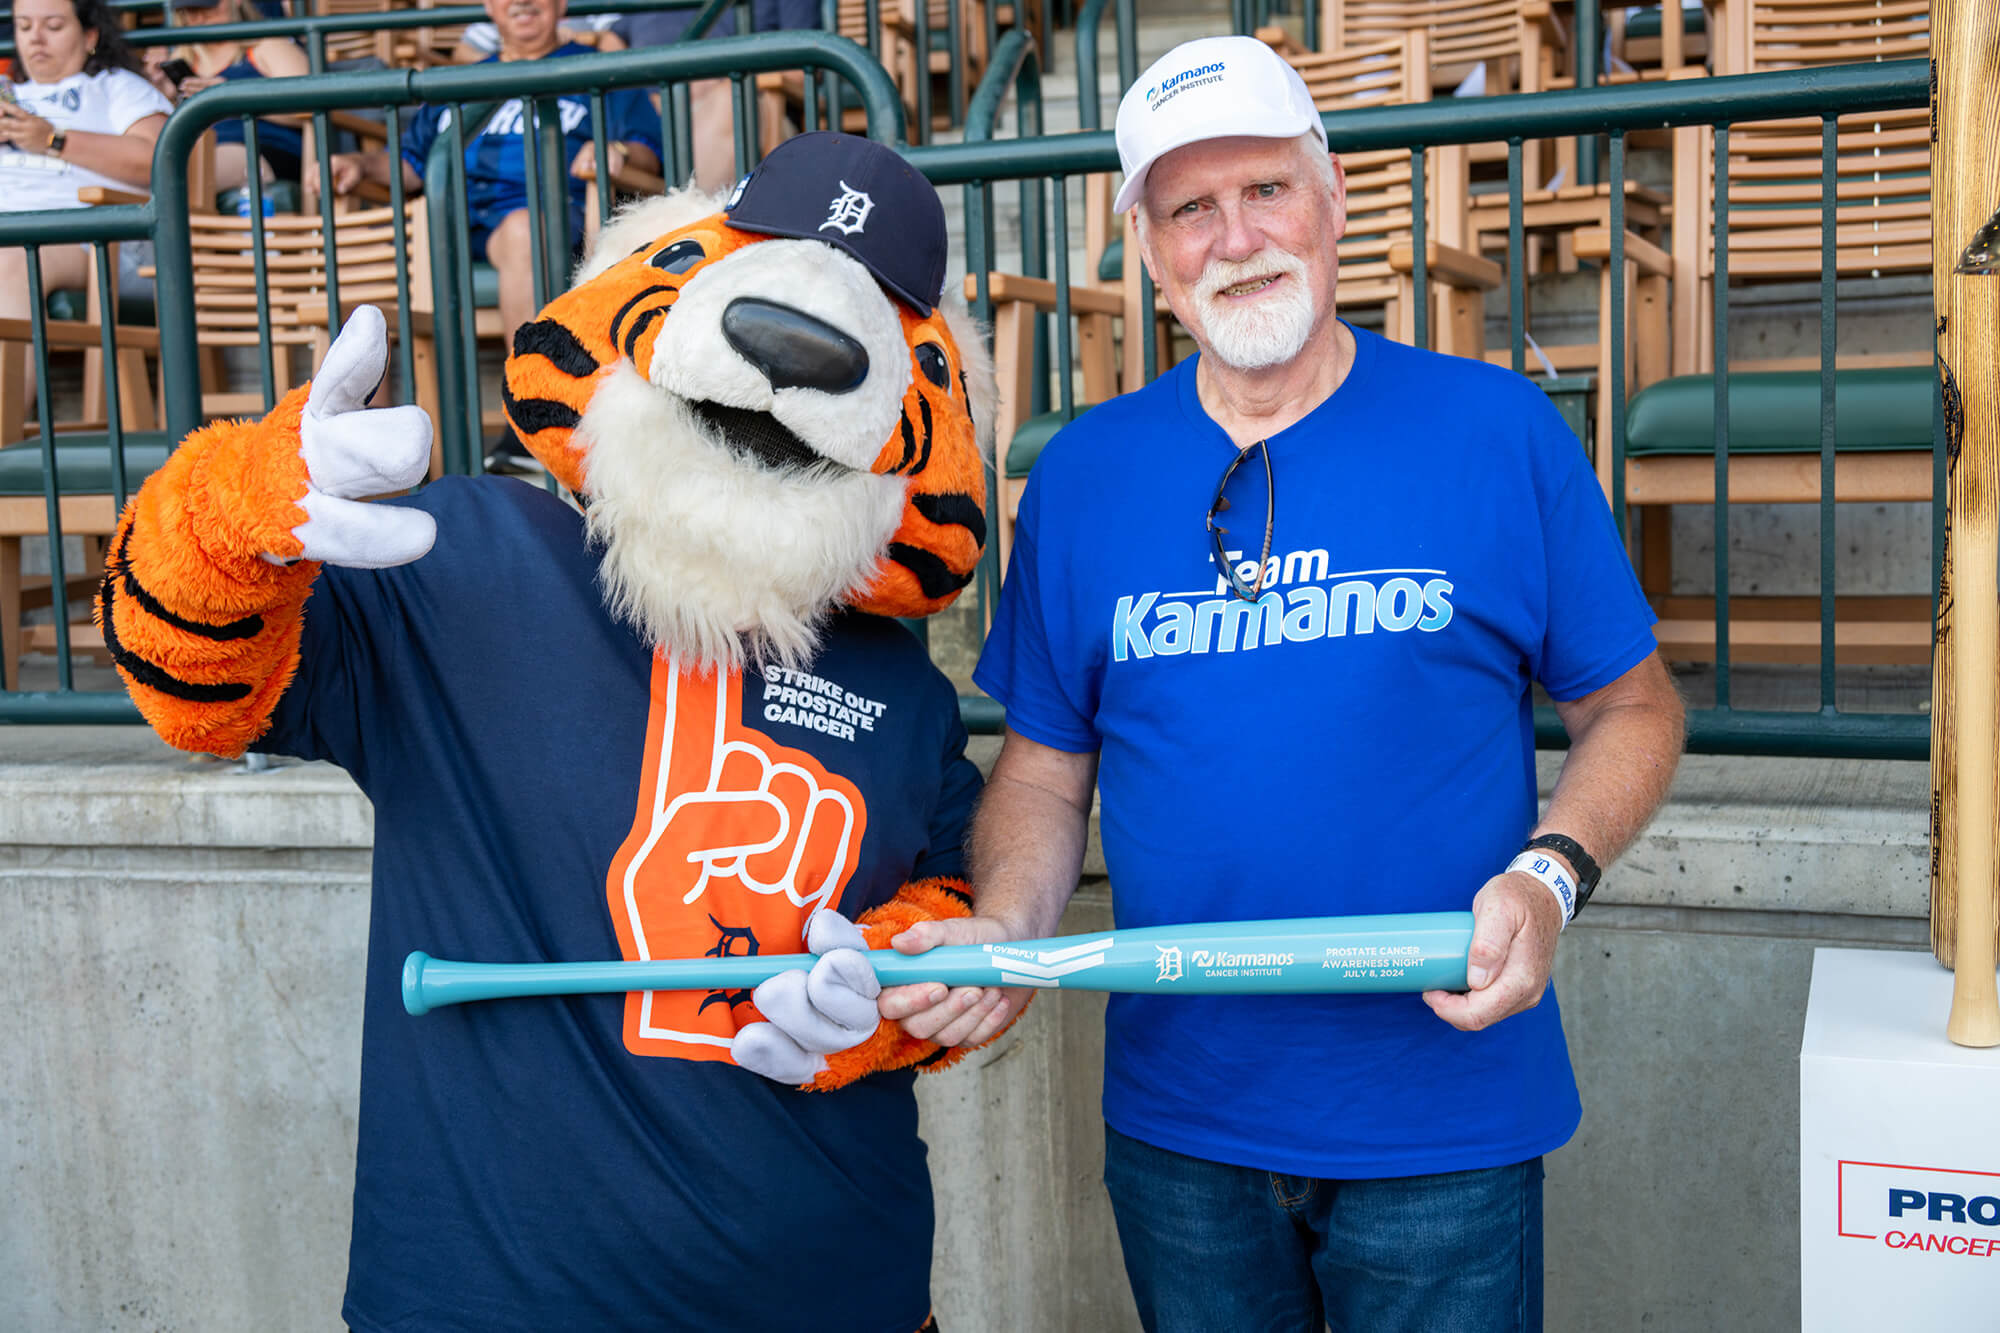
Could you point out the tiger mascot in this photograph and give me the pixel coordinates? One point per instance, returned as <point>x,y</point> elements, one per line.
<point>674,719</point>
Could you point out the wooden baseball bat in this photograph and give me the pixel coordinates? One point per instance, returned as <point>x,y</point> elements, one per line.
<point>1415,951</point>
<point>1965,187</point>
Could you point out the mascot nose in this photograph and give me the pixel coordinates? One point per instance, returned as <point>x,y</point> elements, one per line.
<point>793,349</point>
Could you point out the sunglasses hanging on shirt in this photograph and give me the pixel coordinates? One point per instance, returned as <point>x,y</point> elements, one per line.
<point>1216,532</point>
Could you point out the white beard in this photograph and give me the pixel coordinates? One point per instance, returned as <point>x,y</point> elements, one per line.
<point>712,560</point>
<point>1268,332</point>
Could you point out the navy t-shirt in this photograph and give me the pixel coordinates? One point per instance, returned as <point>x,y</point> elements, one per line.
<point>496,175</point>
<point>598,1162</point>
<point>1360,740</point>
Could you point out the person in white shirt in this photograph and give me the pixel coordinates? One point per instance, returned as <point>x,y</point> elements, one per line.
<point>84,116</point>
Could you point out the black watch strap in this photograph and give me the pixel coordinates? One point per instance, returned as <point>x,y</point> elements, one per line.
<point>1587,870</point>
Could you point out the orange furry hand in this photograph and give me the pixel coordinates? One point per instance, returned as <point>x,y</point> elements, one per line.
<point>201,622</point>
<point>206,581</point>
<point>890,1047</point>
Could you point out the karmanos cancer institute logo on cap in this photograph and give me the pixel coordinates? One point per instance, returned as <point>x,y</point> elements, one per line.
<point>1160,94</point>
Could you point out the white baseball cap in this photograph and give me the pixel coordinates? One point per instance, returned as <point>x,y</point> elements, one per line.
<point>1209,88</point>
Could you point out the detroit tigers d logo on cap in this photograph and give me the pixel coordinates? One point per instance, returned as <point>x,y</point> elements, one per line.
<point>849,211</point>
<point>855,194</point>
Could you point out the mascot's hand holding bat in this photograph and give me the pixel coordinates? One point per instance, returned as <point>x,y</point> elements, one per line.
<point>677,725</point>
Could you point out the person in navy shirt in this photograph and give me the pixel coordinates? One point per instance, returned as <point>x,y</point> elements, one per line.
<point>496,183</point>
<point>1314,702</point>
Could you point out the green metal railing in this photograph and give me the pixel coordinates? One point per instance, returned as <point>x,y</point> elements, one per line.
<point>312,32</point>
<point>1246,16</point>
<point>1089,101</point>
<point>165,221</point>
<point>536,83</point>
<point>983,162</point>
<point>1042,168</point>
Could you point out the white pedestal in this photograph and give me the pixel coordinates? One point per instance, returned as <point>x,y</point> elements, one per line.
<point>1899,1152</point>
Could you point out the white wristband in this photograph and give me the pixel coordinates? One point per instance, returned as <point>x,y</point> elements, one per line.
<point>1542,866</point>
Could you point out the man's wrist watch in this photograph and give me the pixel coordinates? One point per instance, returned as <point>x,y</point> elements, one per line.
<point>1587,871</point>
<point>58,137</point>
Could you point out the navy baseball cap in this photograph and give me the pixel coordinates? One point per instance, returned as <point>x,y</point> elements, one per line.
<point>855,194</point>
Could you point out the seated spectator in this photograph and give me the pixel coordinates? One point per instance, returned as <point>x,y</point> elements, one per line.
<point>84,116</point>
<point>219,62</point>
<point>481,40</point>
<point>495,157</point>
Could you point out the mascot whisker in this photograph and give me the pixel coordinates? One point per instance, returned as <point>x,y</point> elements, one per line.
<point>674,719</point>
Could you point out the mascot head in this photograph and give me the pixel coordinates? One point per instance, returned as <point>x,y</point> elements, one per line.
<point>769,408</point>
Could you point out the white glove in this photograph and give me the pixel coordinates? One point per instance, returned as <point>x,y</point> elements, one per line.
<point>813,1014</point>
<point>351,451</point>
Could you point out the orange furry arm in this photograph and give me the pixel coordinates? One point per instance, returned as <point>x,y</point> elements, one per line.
<point>204,630</point>
<point>891,1047</point>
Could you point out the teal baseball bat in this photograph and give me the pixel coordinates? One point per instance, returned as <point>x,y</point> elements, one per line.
<point>1409,952</point>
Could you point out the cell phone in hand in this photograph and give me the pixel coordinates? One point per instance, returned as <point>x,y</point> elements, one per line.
<point>7,93</point>
<point>177,71</point>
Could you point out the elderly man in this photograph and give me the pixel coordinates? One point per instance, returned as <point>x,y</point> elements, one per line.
<point>1315,702</point>
<point>496,158</point>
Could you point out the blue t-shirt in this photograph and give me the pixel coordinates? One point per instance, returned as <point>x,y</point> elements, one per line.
<point>519,1165</point>
<point>496,176</point>
<point>1360,740</point>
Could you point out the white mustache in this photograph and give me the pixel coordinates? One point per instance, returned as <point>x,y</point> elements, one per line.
<point>1225,273</point>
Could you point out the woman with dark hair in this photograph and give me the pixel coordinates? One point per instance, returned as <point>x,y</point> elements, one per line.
<point>83,116</point>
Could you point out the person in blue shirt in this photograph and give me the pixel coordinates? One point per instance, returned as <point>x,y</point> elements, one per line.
<point>496,157</point>
<point>1284,607</point>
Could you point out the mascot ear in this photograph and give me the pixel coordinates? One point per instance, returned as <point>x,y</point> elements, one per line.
<point>975,356</point>
<point>643,221</point>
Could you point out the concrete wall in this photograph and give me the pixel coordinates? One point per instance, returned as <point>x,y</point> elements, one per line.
<point>182,959</point>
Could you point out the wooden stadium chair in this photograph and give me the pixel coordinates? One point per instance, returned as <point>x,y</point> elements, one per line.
<point>75,326</point>
<point>226,315</point>
<point>781,93</point>
<point>88,510</point>
<point>1655,42</point>
<point>1377,255</point>
<point>1515,41</point>
<point>380,44</point>
<point>1019,304</point>
<point>898,54</point>
<point>295,264</point>
<point>88,507</point>
<point>422,48</point>
<point>1883,404</point>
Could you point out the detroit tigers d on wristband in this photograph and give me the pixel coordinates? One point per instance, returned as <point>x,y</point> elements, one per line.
<point>1541,866</point>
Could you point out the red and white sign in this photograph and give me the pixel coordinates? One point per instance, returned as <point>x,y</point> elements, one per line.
<point>1899,1158</point>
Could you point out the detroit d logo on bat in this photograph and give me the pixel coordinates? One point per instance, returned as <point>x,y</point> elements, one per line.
<point>1169,962</point>
<point>733,830</point>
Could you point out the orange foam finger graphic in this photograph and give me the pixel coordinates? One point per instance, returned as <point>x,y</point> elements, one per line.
<point>735,841</point>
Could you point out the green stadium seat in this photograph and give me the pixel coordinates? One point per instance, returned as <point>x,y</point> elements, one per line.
<point>1646,22</point>
<point>70,303</point>
<point>1883,454</point>
<point>83,463</point>
<point>1029,441</point>
<point>1111,264</point>
<point>1773,412</point>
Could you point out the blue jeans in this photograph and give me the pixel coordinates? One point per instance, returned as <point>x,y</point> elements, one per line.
<point>1211,1247</point>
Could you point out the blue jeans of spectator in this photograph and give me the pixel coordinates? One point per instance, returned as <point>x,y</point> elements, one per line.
<point>1210,1246</point>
